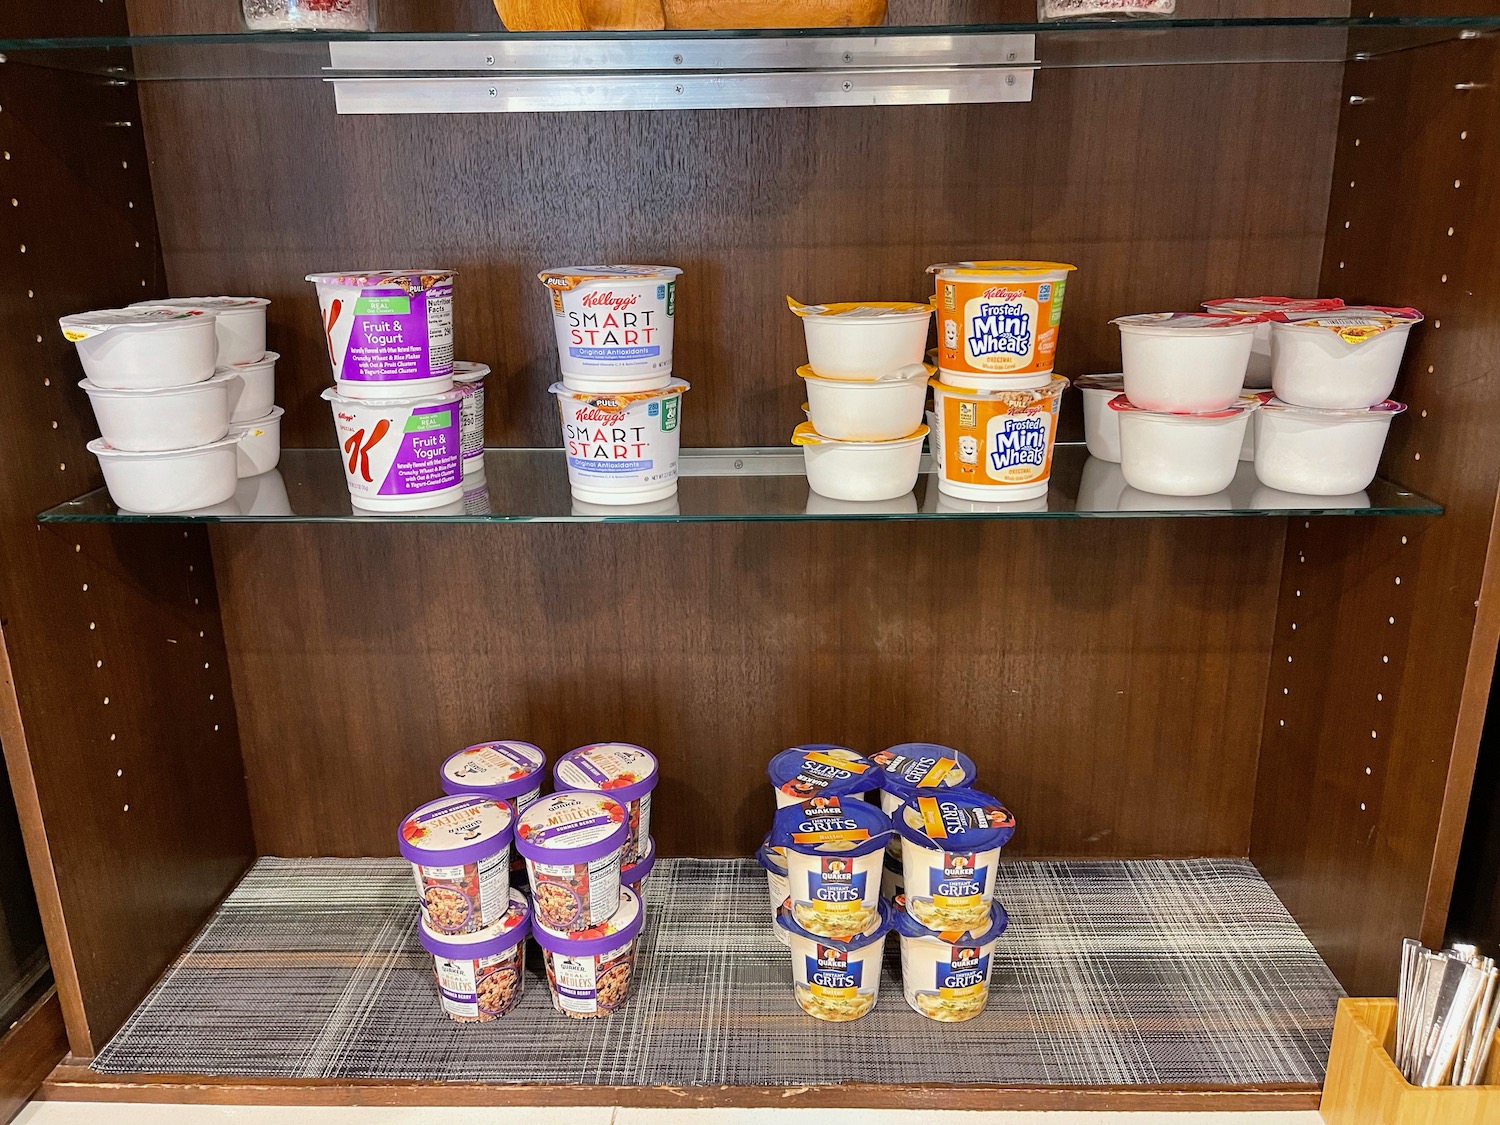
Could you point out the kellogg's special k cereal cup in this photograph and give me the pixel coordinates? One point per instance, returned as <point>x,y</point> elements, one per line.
<point>572,843</point>
<point>628,773</point>
<point>459,849</point>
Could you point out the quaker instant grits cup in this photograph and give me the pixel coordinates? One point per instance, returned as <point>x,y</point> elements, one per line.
<point>573,843</point>
<point>627,772</point>
<point>912,767</point>
<point>459,849</point>
<point>590,973</point>
<point>480,975</point>
<point>837,977</point>
<point>389,332</point>
<point>820,769</point>
<point>945,975</point>
<point>773,861</point>
<point>613,325</point>
<point>950,844</point>
<point>833,848</point>
<point>502,771</point>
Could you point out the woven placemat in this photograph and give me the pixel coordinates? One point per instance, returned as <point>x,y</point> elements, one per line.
<point>1112,973</point>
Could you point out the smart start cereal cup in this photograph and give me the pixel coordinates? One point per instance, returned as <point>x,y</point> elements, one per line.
<point>1258,373</point>
<point>880,409</point>
<point>945,975</point>
<point>913,768</point>
<point>613,325</point>
<point>512,772</point>
<point>833,848</point>
<point>622,447</point>
<point>837,978</point>
<point>399,454</point>
<point>1186,363</point>
<point>459,849</point>
<point>480,975</point>
<point>635,875</point>
<point>995,445</point>
<point>389,332</point>
<point>572,844</point>
<point>860,470</point>
<point>998,318</point>
<point>1181,454</point>
<point>468,380</point>
<point>1101,429</point>
<point>863,341</point>
<point>589,973</point>
<point>628,773</point>
<point>1320,452</point>
<point>950,843</point>
<point>239,323</point>
<point>1342,360</point>
<point>144,349</point>
<point>773,861</point>
<point>820,769</point>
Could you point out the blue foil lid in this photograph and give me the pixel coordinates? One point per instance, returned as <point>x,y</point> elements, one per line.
<point>955,820</point>
<point>914,767</point>
<point>830,826</point>
<point>822,769</point>
<point>907,926</point>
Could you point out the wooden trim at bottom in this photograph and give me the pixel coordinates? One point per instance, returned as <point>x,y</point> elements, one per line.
<point>72,1081</point>
<point>28,1051</point>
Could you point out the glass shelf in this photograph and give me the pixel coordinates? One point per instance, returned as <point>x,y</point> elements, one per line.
<point>727,485</point>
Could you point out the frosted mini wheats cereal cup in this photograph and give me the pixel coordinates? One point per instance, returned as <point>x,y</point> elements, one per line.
<point>833,848</point>
<point>589,973</point>
<point>572,843</point>
<point>459,849</point>
<point>502,771</point>
<point>950,843</point>
<point>999,318</point>
<point>837,977</point>
<point>820,769</point>
<point>995,445</point>
<point>479,975</point>
<point>945,975</point>
<point>628,773</point>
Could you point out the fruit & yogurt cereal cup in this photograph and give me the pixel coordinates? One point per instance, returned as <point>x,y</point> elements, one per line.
<point>834,848</point>
<point>459,849</point>
<point>999,319</point>
<point>502,771</point>
<point>773,861</point>
<point>480,975</point>
<point>627,772</point>
<point>837,977</point>
<point>950,844</point>
<point>635,875</point>
<point>590,972</point>
<point>572,843</point>
<point>820,769</point>
<point>468,380</point>
<point>945,975</point>
<point>389,332</point>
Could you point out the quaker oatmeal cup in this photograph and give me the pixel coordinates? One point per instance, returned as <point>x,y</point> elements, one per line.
<point>572,844</point>
<point>589,973</point>
<point>820,769</point>
<point>635,875</point>
<point>627,772</point>
<point>502,771</point>
<point>479,975</point>
<point>837,977</point>
<point>459,850</point>
<point>833,848</point>
<point>945,975</point>
<point>773,861</point>
<point>950,844</point>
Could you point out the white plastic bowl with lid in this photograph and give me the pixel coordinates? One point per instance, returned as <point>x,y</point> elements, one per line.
<point>1181,454</point>
<point>1185,362</point>
<point>164,418</point>
<point>1258,373</point>
<point>881,409</point>
<point>239,323</point>
<point>860,470</point>
<point>863,339</point>
<point>254,393</point>
<point>1101,425</point>
<point>144,349</point>
<point>179,480</point>
<point>259,443</point>
<point>1320,452</point>
<point>1342,360</point>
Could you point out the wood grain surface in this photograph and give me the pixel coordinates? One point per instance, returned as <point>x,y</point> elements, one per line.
<point>29,1049</point>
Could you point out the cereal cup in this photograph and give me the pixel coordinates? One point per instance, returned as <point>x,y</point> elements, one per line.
<point>589,973</point>
<point>912,767</point>
<point>837,978</point>
<point>820,769</point>
<point>572,844</point>
<point>502,771</point>
<point>999,318</point>
<point>627,773</point>
<point>950,843</point>
<point>479,975</point>
<point>459,849</point>
<point>833,848</point>
<point>773,861</point>
<point>634,876</point>
<point>945,975</point>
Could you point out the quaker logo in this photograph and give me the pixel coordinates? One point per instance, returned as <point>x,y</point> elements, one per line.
<point>959,878</point>
<point>965,968</point>
<point>837,881</point>
<point>831,968</point>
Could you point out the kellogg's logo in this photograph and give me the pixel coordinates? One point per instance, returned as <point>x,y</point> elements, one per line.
<point>608,299</point>
<point>595,414</point>
<point>1002,293</point>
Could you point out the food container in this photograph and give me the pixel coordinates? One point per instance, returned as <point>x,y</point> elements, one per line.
<point>389,332</point>
<point>998,317</point>
<point>995,445</point>
<point>773,862</point>
<point>1101,427</point>
<point>399,454</point>
<point>253,393</point>
<point>1187,363</point>
<point>143,349</point>
<point>914,768</point>
<point>773,13</point>
<point>573,844</point>
<point>1343,360</point>
<point>589,973</point>
<point>950,844</point>
<point>634,875</point>
<point>820,769</point>
<point>502,771</point>
<point>945,975</point>
<point>1320,452</point>
<point>862,341</point>
<point>1103,9</point>
<point>468,380</point>
<point>179,480</point>
<point>164,418</point>
<point>1181,454</point>
<point>259,444</point>
<point>480,975</point>
<point>837,977</point>
<point>459,850</point>
<point>860,470</point>
<point>309,15</point>
<point>1258,373</point>
<point>613,325</point>
<point>239,324</point>
<point>628,773</point>
<point>622,447</point>
<point>833,848</point>
<point>867,409</point>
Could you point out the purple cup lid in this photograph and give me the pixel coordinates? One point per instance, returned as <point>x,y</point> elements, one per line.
<point>502,770</point>
<point>822,769</point>
<point>455,830</point>
<point>619,928</point>
<point>957,821</point>
<point>623,770</point>
<point>571,827</point>
<point>506,932</point>
<point>642,867</point>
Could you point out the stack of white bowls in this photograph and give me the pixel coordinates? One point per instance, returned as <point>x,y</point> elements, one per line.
<point>183,391</point>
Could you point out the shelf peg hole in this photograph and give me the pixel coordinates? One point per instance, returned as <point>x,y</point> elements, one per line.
<point>92,626</point>
<point>119,773</point>
<point>127,808</point>
<point>1367,771</point>
<point>98,664</point>
<point>1361,806</point>
<point>1398,580</point>
<point>1385,660</point>
<point>1445,279</point>
<point>111,737</point>
<point>1373,734</point>
<point>106,701</point>
<point>1390,620</point>
<point>1379,697</point>
<point>1403,540</point>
